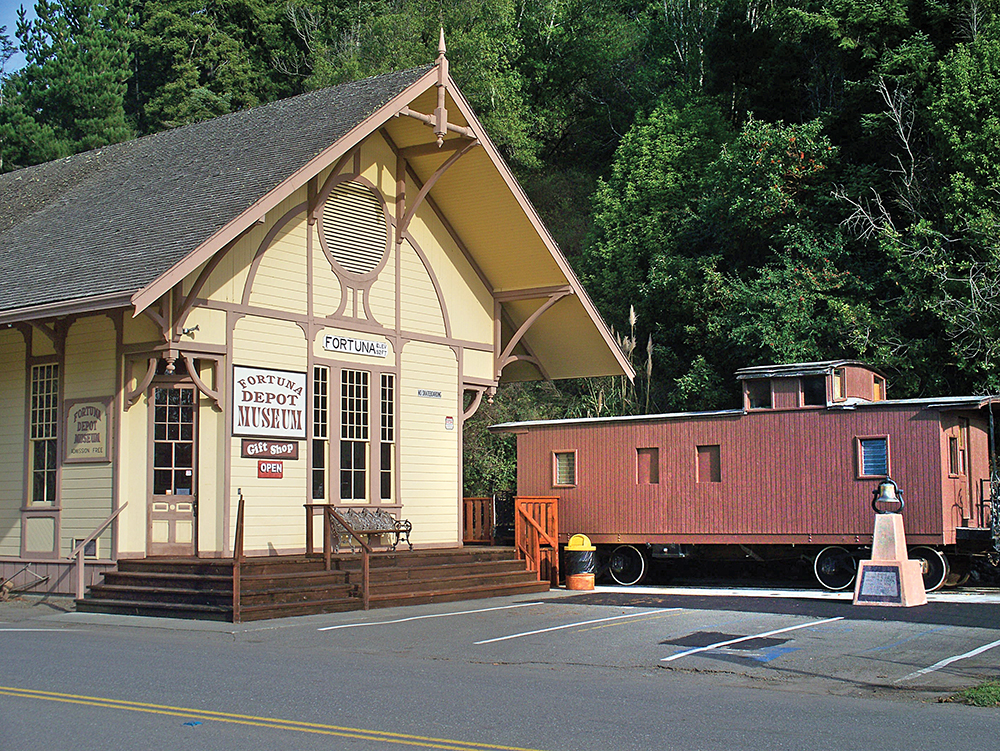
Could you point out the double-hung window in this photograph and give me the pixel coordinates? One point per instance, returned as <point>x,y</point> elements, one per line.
<point>44,434</point>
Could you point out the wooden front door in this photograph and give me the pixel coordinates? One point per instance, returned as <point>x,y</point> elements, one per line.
<point>173,504</point>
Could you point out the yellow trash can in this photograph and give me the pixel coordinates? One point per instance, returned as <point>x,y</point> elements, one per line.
<point>580,559</point>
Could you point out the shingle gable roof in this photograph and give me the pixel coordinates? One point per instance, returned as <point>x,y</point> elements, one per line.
<point>114,219</point>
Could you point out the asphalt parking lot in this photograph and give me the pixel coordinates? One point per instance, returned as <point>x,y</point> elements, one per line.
<point>804,640</point>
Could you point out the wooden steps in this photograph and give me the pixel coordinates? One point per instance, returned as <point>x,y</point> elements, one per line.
<point>285,586</point>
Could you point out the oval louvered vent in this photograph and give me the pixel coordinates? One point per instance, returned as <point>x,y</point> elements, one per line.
<point>355,228</point>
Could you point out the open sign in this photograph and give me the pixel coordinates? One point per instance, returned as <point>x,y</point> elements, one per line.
<point>270,469</point>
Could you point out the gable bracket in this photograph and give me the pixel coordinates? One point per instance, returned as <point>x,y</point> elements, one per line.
<point>553,295</point>
<point>402,226</point>
<point>56,333</point>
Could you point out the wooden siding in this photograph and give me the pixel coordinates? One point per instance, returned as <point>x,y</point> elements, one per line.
<point>86,491</point>
<point>61,574</point>
<point>12,400</point>
<point>469,303</point>
<point>429,462</point>
<point>421,312</point>
<point>133,426</point>
<point>478,364</point>
<point>280,282</point>
<point>786,477</point>
<point>382,298</point>
<point>274,512</point>
<point>860,382</point>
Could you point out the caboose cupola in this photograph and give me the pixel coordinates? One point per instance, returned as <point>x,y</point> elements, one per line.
<point>808,385</point>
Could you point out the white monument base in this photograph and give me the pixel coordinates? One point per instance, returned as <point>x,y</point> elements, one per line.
<point>890,577</point>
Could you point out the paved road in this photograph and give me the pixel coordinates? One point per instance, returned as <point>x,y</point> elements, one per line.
<point>613,669</point>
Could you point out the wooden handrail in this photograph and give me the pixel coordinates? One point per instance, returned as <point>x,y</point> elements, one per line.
<point>530,534</point>
<point>238,560</point>
<point>329,514</point>
<point>78,550</point>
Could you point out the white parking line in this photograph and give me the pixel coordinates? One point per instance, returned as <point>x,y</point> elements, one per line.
<point>947,661</point>
<point>424,617</point>
<point>573,625</point>
<point>717,645</point>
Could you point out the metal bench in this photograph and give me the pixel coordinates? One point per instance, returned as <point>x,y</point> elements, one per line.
<point>373,523</point>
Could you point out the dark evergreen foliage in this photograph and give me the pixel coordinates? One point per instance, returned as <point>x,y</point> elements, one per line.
<point>758,180</point>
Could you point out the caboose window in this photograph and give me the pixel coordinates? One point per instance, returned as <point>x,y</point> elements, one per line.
<point>709,464</point>
<point>647,466</point>
<point>759,394</point>
<point>878,388</point>
<point>873,456</point>
<point>814,391</point>
<point>564,468</point>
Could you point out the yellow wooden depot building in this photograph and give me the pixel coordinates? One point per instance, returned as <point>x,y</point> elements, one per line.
<point>303,301</point>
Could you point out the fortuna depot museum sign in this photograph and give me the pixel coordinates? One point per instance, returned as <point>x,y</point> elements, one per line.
<point>269,403</point>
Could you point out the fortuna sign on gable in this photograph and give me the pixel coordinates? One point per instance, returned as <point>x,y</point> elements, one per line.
<point>355,346</point>
<point>269,403</point>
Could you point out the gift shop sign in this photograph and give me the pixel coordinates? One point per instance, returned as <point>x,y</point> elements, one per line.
<point>269,403</point>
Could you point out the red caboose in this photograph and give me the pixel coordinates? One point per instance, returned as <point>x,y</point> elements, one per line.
<point>790,473</point>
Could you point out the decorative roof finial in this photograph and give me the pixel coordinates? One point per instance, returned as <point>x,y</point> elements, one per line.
<point>440,113</point>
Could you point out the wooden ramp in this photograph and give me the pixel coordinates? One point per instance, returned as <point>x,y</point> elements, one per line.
<point>284,586</point>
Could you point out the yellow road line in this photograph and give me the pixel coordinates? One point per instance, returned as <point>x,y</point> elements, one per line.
<point>265,722</point>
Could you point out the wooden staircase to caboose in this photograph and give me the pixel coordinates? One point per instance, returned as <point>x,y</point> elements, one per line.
<point>284,586</point>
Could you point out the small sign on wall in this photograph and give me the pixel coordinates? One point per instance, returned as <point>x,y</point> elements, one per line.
<point>270,470</point>
<point>88,430</point>
<point>351,346</point>
<point>449,423</point>
<point>252,449</point>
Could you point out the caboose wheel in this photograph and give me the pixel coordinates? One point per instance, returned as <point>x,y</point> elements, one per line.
<point>627,565</point>
<point>835,568</point>
<point>933,564</point>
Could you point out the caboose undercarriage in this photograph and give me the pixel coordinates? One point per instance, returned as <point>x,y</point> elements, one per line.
<point>834,566</point>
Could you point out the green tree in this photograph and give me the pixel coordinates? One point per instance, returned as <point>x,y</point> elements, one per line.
<point>70,94</point>
<point>198,60</point>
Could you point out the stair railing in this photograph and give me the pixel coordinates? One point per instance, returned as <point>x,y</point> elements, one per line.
<point>329,515</point>
<point>78,550</point>
<point>238,558</point>
<point>536,535</point>
<point>477,520</point>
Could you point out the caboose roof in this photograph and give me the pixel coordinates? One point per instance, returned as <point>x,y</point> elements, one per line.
<point>940,404</point>
<point>791,370</point>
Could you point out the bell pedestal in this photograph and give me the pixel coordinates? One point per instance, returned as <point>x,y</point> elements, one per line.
<point>890,578</point>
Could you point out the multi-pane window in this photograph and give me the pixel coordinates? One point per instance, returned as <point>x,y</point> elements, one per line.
<point>354,435</point>
<point>173,440</point>
<point>44,433</point>
<point>387,437</point>
<point>565,468</point>
<point>874,456</point>
<point>321,416</point>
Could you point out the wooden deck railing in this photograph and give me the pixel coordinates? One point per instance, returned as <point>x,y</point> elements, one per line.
<point>329,515</point>
<point>477,521</point>
<point>536,535</point>
<point>79,549</point>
